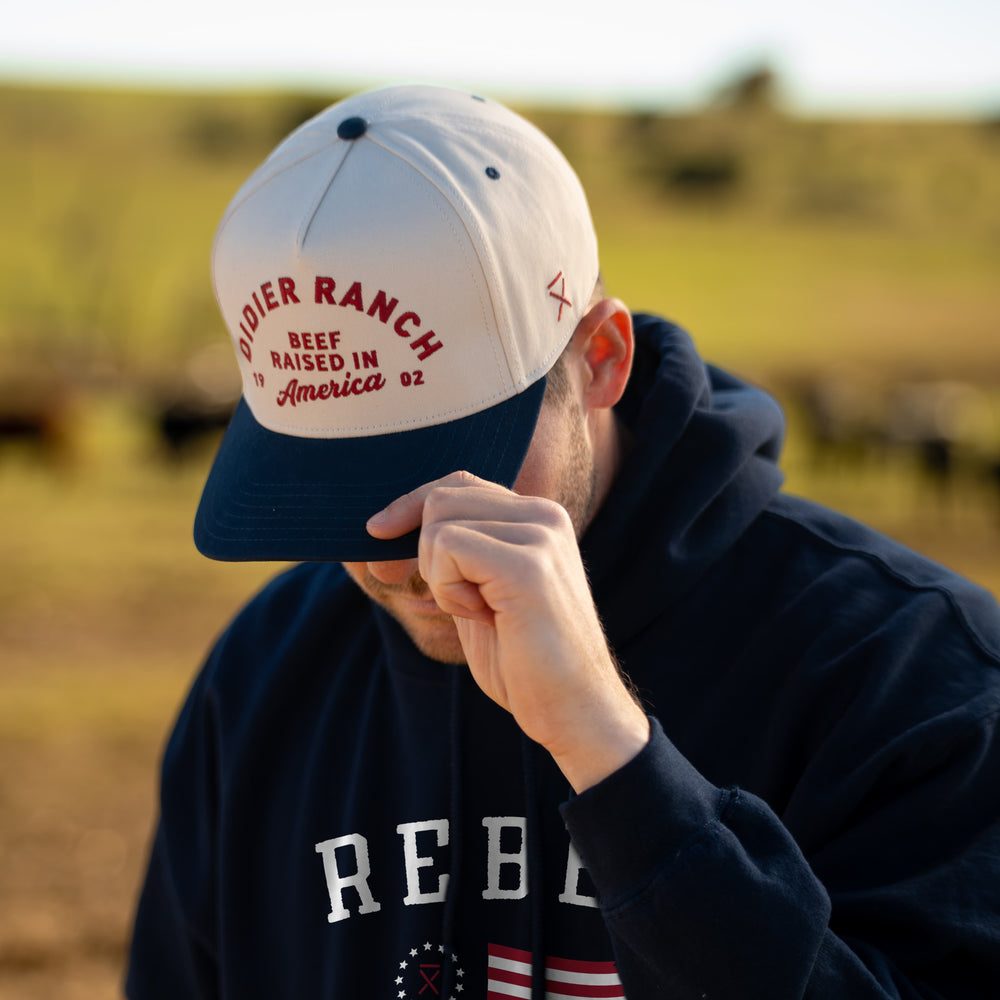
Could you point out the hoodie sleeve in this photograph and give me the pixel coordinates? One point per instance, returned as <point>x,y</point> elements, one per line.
<point>706,894</point>
<point>173,952</point>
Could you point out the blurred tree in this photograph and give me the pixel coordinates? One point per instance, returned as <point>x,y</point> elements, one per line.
<point>751,90</point>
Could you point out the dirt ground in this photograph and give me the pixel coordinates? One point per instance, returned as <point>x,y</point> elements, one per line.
<point>106,611</point>
<point>85,711</point>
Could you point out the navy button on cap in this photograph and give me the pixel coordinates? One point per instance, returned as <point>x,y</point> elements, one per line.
<point>352,128</point>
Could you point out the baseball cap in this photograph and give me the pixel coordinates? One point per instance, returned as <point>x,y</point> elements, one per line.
<point>397,279</point>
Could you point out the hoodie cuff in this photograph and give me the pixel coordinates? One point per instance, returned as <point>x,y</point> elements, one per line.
<point>639,819</point>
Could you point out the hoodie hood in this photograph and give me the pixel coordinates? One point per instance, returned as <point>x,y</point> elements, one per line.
<point>701,467</point>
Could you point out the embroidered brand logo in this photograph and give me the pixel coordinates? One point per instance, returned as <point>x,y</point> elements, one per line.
<point>422,974</point>
<point>559,296</point>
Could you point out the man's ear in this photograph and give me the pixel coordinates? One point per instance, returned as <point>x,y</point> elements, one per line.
<point>605,342</point>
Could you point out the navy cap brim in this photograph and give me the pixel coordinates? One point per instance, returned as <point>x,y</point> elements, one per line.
<point>276,497</point>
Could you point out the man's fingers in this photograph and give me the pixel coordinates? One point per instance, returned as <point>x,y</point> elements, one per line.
<point>406,513</point>
<point>459,496</point>
<point>462,561</point>
<point>462,599</point>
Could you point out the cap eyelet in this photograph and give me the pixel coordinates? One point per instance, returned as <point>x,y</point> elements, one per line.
<point>493,173</point>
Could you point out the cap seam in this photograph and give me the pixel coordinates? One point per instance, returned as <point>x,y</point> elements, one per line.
<point>525,147</point>
<point>455,413</point>
<point>303,233</point>
<point>456,193</point>
<point>247,192</point>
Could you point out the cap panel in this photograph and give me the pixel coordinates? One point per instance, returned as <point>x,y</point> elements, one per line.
<point>527,216</point>
<point>402,311</point>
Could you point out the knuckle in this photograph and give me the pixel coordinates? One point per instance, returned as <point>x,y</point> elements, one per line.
<point>441,504</point>
<point>448,534</point>
<point>553,515</point>
<point>426,543</point>
<point>465,478</point>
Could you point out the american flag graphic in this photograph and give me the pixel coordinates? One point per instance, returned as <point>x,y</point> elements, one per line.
<point>510,976</point>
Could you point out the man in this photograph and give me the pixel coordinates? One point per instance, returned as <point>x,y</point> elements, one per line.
<point>565,698</point>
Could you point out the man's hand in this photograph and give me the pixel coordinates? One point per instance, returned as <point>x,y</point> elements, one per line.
<point>508,568</point>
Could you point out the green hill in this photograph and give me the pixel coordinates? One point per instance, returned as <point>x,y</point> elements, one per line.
<point>783,243</point>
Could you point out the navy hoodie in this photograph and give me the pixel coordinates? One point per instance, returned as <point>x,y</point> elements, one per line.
<point>817,813</point>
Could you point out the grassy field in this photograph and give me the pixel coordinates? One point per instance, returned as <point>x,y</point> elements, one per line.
<point>859,254</point>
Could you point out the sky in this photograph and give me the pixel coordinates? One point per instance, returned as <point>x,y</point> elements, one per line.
<point>857,56</point>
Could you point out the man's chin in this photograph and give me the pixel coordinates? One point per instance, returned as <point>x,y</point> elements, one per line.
<point>436,640</point>
<point>431,630</point>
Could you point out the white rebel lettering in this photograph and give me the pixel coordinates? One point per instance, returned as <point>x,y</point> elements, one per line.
<point>336,883</point>
<point>414,861</point>
<point>348,867</point>
<point>571,889</point>
<point>498,859</point>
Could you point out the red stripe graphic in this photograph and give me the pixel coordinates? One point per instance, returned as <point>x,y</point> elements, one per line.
<point>510,976</point>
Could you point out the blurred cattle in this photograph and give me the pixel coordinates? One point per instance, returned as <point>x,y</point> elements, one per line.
<point>947,427</point>
<point>187,420</point>
<point>193,407</point>
<point>842,419</point>
<point>36,419</point>
<point>947,431</point>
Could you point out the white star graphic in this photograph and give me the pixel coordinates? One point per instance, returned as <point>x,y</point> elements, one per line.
<point>405,978</point>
